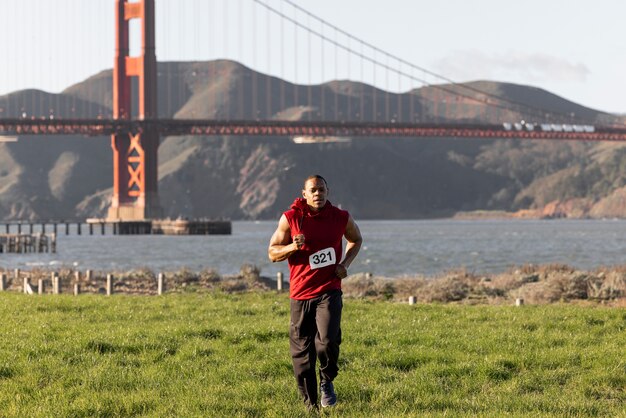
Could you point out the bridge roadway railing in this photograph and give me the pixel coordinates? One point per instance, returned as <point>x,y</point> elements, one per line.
<point>175,127</point>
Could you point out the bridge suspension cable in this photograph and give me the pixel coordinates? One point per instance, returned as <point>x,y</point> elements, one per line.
<point>503,103</point>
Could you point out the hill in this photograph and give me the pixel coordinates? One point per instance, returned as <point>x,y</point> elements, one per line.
<point>256,178</point>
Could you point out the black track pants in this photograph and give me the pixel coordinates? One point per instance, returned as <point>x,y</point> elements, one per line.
<point>315,332</point>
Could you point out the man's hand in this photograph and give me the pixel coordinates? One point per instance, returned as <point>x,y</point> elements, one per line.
<point>298,240</point>
<point>341,271</point>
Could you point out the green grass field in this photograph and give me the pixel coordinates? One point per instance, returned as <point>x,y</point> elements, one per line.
<point>219,355</point>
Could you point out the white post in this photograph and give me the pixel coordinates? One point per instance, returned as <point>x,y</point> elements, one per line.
<point>279,281</point>
<point>412,300</point>
<point>76,289</point>
<point>17,274</point>
<point>40,286</point>
<point>109,284</point>
<point>160,280</point>
<point>3,282</point>
<point>89,275</point>
<point>519,302</point>
<point>56,283</point>
<point>27,289</point>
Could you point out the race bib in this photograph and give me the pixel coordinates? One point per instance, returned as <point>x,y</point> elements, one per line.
<point>322,258</point>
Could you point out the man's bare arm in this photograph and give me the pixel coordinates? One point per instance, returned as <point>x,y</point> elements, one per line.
<point>281,244</point>
<point>353,236</point>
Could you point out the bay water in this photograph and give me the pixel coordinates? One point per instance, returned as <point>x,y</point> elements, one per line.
<point>391,248</point>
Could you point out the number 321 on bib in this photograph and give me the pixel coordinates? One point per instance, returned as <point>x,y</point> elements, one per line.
<point>322,258</point>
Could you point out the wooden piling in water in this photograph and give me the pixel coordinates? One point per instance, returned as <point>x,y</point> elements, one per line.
<point>23,243</point>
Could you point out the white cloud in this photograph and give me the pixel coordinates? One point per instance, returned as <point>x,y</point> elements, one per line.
<point>521,67</point>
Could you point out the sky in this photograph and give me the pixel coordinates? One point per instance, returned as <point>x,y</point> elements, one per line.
<point>573,48</point>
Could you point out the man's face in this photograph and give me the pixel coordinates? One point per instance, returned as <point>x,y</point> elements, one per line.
<point>315,193</point>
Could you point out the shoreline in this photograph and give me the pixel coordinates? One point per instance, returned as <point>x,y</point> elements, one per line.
<point>533,284</point>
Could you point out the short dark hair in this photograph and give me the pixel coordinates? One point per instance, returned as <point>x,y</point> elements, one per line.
<point>314,176</point>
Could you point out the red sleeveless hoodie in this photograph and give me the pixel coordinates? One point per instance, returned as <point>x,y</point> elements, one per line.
<point>312,268</point>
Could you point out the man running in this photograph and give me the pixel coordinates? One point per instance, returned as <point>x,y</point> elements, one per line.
<point>309,236</point>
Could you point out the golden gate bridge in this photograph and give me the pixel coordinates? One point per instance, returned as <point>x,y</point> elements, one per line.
<point>135,120</point>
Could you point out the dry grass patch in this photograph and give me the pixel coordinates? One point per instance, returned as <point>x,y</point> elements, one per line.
<point>536,284</point>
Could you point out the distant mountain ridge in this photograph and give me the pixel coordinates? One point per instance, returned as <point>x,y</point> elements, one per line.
<point>257,177</point>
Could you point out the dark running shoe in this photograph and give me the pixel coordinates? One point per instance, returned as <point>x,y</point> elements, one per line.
<point>329,397</point>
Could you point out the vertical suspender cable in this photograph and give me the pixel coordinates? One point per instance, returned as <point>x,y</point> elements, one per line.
<point>240,79</point>
<point>296,60</point>
<point>336,80</point>
<point>74,47</point>
<point>400,94</point>
<point>4,69</point>
<point>282,61</point>
<point>210,64</point>
<point>309,99</point>
<point>396,114</point>
<point>167,67</point>
<point>196,67</point>
<point>362,88</point>
<point>349,72</point>
<point>387,92</point>
<point>71,46</point>
<point>255,112</point>
<point>322,85</point>
<point>374,98</point>
<point>179,64</point>
<point>223,102</point>
<point>29,96</point>
<point>412,117</point>
<point>268,77</point>
<point>94,60</point>
<point>35,96</point>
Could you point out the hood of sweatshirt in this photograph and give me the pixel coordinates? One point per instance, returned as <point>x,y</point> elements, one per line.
<point>304,211</point>
<point>301,206</point>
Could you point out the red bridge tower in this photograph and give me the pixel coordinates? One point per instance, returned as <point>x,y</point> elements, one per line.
<point>135,188</point>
